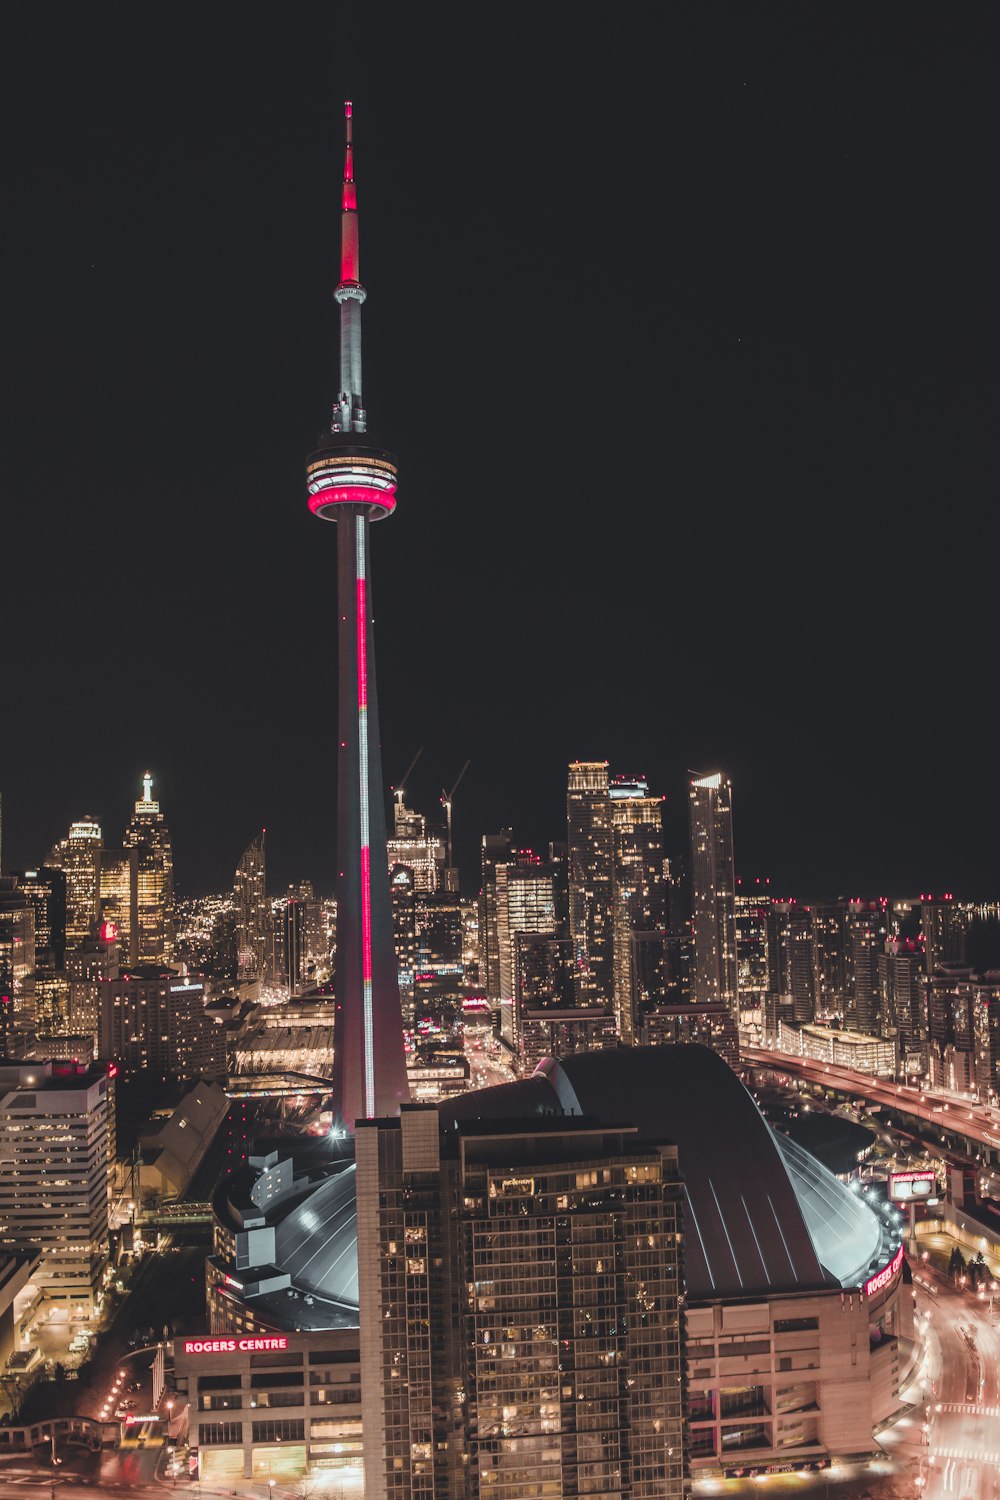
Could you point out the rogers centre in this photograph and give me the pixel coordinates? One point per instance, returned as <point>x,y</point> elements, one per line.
<point>227,1346</point>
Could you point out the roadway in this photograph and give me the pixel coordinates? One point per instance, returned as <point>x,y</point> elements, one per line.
<point>943,1111</point>
<point>961,1426</point>
<point>486,1064</point>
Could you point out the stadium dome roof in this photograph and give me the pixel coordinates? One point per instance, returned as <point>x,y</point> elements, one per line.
<point>761,1215</point>
<point>317,1243</point>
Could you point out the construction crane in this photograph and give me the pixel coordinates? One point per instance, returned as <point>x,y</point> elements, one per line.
<point>446,801</point>
<point>399,792</point>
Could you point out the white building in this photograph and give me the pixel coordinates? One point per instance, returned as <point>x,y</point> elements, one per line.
<point>56,1140</point>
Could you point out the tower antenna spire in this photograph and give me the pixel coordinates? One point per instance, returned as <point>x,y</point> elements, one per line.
<point>349,410</point>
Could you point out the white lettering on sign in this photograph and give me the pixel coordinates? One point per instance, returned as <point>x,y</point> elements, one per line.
<point>884,1276</point>
<point>235,1346</point>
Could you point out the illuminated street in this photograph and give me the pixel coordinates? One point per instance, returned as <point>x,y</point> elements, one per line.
<point>962,1386</point>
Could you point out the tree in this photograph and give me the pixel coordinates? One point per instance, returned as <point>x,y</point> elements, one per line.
<point>956,1265</point>
<point>13,1388</point>
<point>978,1270</point>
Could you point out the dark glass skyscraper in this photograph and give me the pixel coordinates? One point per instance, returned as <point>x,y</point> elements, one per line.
<point>713,889</point>
<point>352,480</point>
<point>590,857</point>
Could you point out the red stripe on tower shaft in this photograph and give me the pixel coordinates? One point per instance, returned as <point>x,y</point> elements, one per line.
<point>362,627</point>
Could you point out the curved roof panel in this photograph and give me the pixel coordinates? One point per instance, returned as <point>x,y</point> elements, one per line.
<point>746,1235</point>
<point>317,1243</point>
<point>845,1232</point>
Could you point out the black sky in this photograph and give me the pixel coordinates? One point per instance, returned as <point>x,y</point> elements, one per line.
<point>683,320</point>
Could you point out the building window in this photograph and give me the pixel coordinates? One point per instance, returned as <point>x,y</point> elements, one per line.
<point>288,1431</point>
<point>216,1434</point>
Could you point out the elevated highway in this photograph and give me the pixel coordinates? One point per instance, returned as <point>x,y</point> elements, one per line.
<point>949,1116</point>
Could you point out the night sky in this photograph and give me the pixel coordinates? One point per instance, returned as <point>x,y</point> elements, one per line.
<point>683,322</point>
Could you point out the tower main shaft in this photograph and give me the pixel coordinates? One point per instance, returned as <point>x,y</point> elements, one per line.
<point>352,480</point>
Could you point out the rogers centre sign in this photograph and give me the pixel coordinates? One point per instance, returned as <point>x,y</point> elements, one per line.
<point>884,1276</point>
<point>235,1346</point>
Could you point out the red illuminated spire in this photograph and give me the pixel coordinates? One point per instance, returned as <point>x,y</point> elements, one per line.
<point>349,200</point>
<point>348,411</point>
<point>349,209</point>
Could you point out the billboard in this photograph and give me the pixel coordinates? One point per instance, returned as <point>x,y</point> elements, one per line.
<point>904,1187</point>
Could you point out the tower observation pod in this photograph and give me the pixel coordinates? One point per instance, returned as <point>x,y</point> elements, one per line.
<point>352,480</point>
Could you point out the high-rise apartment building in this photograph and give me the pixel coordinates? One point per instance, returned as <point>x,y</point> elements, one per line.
<point>867,928</point>
<point>792,962</point>
<point>253,915</point>
<point>519,1302</point>
<point>986,1036</point>
<point>351,480</point>
<point>829,923</point>
<point>753,904</point>
<point>57,1129</point>
<point>147,833</point>
<point>496,850</point>
<point>154,1024</point>
<point>943,926</point>
<point>639,904</point>
<point>590,868</point>
<point>713,889</point>
<point>901,985</point>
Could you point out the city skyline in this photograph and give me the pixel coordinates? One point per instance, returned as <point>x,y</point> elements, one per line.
<point>817,398</point>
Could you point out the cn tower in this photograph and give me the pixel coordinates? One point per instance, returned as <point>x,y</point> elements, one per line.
<point>352,480</point>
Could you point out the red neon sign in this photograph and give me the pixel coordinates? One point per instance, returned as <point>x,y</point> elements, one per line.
<point>236,1346</point>
<point>883,1277</point>
<point>905,1187</point>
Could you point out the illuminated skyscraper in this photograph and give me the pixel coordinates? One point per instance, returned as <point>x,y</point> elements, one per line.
<point>713,891</point>
<point>943,927</point>
<point>590,857</point>
<point>415,849</point>
<point>45,889</point>
<point>119,898</point>
<point>829,919</point>
<point>526,903</point>
<point>753,902</point>
<point>640,903</point>
<point>253,915</point>
<point>79,856</point>
<point>792,962</point>
<point>496,851</point>
<point>867,931</point>
<point>351,479</point>
<point>17,965</point>
<point>147,834</point>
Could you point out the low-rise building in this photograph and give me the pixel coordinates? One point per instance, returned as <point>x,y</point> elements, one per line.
<point>171,1154</point>
<point>260,1405</point>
